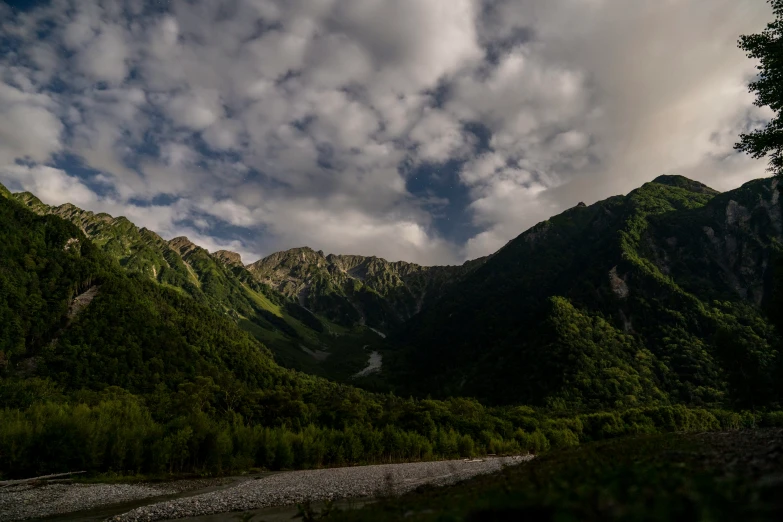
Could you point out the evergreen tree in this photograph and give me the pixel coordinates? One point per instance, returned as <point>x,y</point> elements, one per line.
<point>767,47</point>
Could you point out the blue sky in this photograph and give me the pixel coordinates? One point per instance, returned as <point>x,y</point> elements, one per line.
<point>429,131</point>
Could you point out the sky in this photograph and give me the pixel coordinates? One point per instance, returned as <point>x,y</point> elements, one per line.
<point>431,131</point>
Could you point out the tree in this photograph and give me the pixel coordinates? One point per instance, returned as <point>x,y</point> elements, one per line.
<point>767,47</point>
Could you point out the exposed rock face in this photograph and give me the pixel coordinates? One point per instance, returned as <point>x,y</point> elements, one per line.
<point>72,245</point>
<point>228,257</point>
<point>356,289</point>
<point>619,286</point>
<point>182,245</point>
<point>733,244</point>
<point>81,301</point>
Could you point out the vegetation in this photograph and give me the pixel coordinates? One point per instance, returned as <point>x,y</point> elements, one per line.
<point>44,429</point>
<point>766,47</point>
<point>652,298</point>
<point>221,283</point>
<point>144,379</point>
<point>149,376</point>
<point>660,477</point>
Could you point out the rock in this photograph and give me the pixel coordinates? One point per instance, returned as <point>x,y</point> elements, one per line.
<point>228,257</point>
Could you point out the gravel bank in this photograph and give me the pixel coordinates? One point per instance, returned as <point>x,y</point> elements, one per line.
<point>33,500</point>
<point>373,365</point>
<point>313,485</point>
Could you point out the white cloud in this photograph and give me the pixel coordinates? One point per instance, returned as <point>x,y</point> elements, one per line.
<point>104,57</point>
<point>197,109</point>
<point>50,185</point>
<point>296,119</point>
<point>439,137</point>
<point>28,126</point>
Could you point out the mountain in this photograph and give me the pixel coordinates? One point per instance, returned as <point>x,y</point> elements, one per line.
<point>228,258</point>
<point>122,351</point>
<point>657,296</point>
<point>220,281</point>
<point>660,292</point>
<point>352,289</point>
<point>312,311</point>
<point>106,369</point>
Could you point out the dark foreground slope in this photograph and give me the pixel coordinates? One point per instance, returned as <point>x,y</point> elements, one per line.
<point>657,295</point>
<point>723,476</point>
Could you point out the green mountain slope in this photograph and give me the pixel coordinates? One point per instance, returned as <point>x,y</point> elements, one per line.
<point>221,282</point>
<point>104,369</point>
<point>652,297</point>
<point>659,291</point>
<point>356,289</point>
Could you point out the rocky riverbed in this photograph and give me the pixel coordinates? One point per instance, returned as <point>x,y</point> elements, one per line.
<point>193,498</point>
<point>315,485</point>
<point>36,499</point>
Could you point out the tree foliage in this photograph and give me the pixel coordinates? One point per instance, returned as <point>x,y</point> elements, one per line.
<point>767,47</point>
<point>614,304</point>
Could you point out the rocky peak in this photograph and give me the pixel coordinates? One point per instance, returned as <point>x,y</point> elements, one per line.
<point>28,199</point>
<point>288,259</point>
<point>684,183</point>
<point>228,257</point>
<point>182,245</point>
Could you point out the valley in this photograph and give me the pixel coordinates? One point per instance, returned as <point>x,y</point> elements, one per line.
<point>402,260</point>
<point>641,315</point>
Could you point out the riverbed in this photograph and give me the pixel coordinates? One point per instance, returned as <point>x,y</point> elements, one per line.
<point>212,499</point>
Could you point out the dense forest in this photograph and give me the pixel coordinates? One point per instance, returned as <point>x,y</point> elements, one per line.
<point>668,293</point>
<point>106,369</point>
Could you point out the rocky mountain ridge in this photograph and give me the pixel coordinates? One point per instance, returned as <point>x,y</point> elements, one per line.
<point>297,302</point>
<point>666,283</point>
<point>646,296</point>
<point>352,288</point>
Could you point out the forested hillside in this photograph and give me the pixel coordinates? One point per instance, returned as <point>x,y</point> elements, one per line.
<point>660,293</point>
<point>115,356</point>
<point>105,369</point>
<point>222,283</point>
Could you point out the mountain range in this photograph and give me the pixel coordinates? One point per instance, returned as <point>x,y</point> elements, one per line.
<point>664,291</point>
<point>658,295</point>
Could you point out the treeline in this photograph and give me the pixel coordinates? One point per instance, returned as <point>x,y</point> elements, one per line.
<point>146,380</point>
<point>117,432</point>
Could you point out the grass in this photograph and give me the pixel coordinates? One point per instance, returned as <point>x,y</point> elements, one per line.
<point>263,301</point>
<point>347,353</point>
<point>716,477</point>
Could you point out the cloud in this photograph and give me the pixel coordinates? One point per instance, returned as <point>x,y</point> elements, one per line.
<point>195,110</point>
<point>268,124</point>
<point>29,128</point>
<point>104,57</point>
<point>50,185</point>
